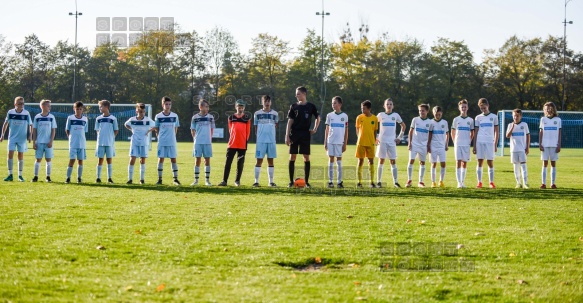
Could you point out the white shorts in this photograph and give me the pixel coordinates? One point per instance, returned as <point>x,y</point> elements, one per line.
<point>265,149</point>
<point>549,154</point>
<point>17,146</point>
<point>139,151</point>
<point>167,152</point>
<point>387,151</point>
<point>107,151</point>
<point>42,149</point>
<point>422,152</point>
<point>437,155</point>
<point>485,151</point>
<point>77,153</point>
<point>334,150</point>
<point>462,153</point>
<point>518,157</point>
<point>202,150</point>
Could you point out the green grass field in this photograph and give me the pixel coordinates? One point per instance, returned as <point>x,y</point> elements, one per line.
<point>145,243</point>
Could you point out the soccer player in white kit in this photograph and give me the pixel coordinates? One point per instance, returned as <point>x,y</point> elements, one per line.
<point>485,141</point>
<point>18,119</point>
<point>550,142</point>
<point>387,140</point>
<point>140,126</point>
<point>166,125</point>
<point>519,136</point>
<point>437,145</point>
<point>335,140</point>
<point>265,121</point>
<point>418,136</point>
<point>462,134</point>
<point>107,129</point>
<point>202,126</point>
<point>76,127</point>
<point>44,126</point>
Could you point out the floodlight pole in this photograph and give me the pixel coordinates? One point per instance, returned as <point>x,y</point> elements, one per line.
<point>565,22</point>
<point>76,14</point>
<point>322,85</point>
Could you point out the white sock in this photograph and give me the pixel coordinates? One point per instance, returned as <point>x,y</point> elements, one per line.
<point>142,171</point>
<point>421,172</point>
<point>330,171</point>
<point>433,173</point>
<point>442,174</point>
<point>544,175</point>
<point>479,171</point>
<point>10,165</point>
<point>270,172</point>
<point>339,169</point>
<point>175,170</point>
<point>130,172</point>
<point>109,170</point>
<point>517,172</point>
<point>380,172</point>
<point>36,168</point>
<point>394,170</point>
<point>79,171</point>
<point>160,170</point>
<point>524,173</point>
<point>257,172</point>
<point>49,167</point>
<point>410,172</point>
<point>491,174</point>
<point>99,168</point>
<point>20,167</point>
<point>207,172</point>
<point>553,174</point>
<point>464,172</point>
<point>196,172</point>
<point>69,171</point>
<point>458,175</point>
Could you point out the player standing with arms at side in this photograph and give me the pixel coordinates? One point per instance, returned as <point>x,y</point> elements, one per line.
<point>437,145</point>
<point>387,141</point>
<point>485,141</point>
<point>298,133</point>
<point>18,119</point>
<point>166,124</point>
<point>335,140</point>
<point>265,121</point>
<point>462,134</point>
<point>418,136</point>
<point>140,126</point>
<point>519,135</point>
<point>44,126</point>
<point>202,127</point>
<point>75,128</point>
<point>107,129</point>
<point>550,142</point>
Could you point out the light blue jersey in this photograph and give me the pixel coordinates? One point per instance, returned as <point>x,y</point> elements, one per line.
<point>265,123</point>
<point>44,126</point>
<point>106,127</point>
<point>77,128</point>
<point>166,125</point>
<point>202,126</point>
<point>18,122</point>
<point>139,130</point>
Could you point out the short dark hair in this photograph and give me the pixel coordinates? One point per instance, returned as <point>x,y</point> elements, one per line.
<point>483,101</point>
<point>425,106</point>
<point>463,101</point>
<point>337,99</point>
<point>140,106</point>
<point>437,109</point>
<point>166,98</point>
<point>367,104</point>
<point>265,98</point>
<point>104,103</point>
<point>78,104</point>
<point>203,101</point>
<point>517,111</point>
<point>302,89</point>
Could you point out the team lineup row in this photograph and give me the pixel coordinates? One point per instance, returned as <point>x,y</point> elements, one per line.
<point>377,137</point>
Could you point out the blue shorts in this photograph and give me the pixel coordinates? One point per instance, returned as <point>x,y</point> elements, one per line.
<point>263,149</point>
<point>18,146</point>
<point>202,150</point>
<point>107,151</point>
<point>139,151</point>
<point>43,149</point>
<point>77,153</point>
<point>167,152</point>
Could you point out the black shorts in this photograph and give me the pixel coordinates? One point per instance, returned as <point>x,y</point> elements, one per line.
<point>300,144</point>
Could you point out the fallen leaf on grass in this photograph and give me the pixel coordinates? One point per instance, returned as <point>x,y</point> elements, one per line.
<point>580,238</point>
<point>100,247</point>
<point>521,282</point>
<point>565,283</point>
<point>360,299</point>
<point>160,287</point>
<point>479,234</point>
<point>349,217</point>
<point>225,249</point>
<point>356,283</point>
<point>498,278</point>
<point>129,288</point>
<point>137,232</point>
<point>422,222</point>
<point>409,220</point>
<point>459,246</point>
<point>318,260</point>
<point>512,254</point>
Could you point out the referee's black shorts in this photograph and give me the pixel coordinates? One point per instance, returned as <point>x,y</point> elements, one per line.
<point>300,144</point>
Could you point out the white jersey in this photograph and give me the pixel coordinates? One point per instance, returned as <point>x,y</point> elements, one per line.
<point>106,127</point>
<point>439,130</point>
<point>337,125</point>
<point>18,122</point>
<point>388,127</point>
<point>77,128</point>
<point>550,128</point>
<point>420,132</point>
<point>203,126</point>
<point>167,128</point>
<point>265,123</point>
<point>485,125</point>
<point>518,137</point>
<point>139,130</point>
<point>44,126</point>
<point>463,127</point>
